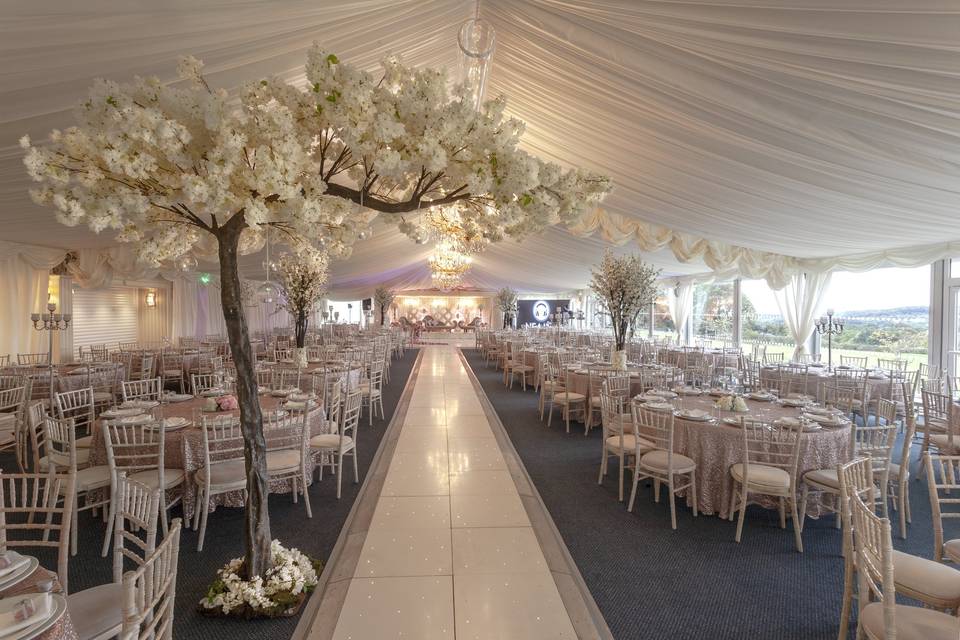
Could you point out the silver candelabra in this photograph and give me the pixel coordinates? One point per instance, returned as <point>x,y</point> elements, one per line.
<point>50,322</point>
<point>827,326</point>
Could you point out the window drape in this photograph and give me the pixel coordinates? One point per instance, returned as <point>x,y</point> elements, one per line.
<point>798,303</point>
<point>680,303</point>
<point>24,277</point>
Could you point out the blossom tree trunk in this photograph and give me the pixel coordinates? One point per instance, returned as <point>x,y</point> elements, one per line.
<point>300,328</point>
<point>383,315</point>
<point>257,528</point>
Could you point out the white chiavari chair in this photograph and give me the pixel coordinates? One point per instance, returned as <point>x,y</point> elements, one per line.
<point>149,593</point>
<point>770,456</point>
<point>344,442</point>
<point>203,382</point>
<point>36,511</point>
<point>618,439</point>
<point>661,464</point>
<point>148,390</point>
<point>224,467</point>
<point>288,452</point>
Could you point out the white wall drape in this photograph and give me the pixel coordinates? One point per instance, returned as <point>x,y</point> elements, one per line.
<point>798,303</point>
<point>24,277</point>
<point>680,304</point>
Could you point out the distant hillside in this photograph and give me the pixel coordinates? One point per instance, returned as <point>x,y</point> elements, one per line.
<point>896,313</point>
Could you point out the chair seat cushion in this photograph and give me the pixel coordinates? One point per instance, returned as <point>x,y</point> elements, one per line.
<point>330,441</point>
<point>823,477</point>
<point>951,549</point>
<point>150,477</point>
<point>93,478</point>
<point>569,396</point>
<point>98,611</point>
<point>942,442</point>
<point>630,442</point>
<point>84,442</point>
<point>895,472</point>
<point>282,460</point>
<point>83,459</point>
<point>659,459</point>
<point>226,473</point>
<point>926,580</point>
<point>762,477</point>
<point>102,396</point>
<point>913,623</point>
<point>552,384</point>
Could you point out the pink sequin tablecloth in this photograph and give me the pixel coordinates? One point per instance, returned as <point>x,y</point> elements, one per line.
<point>63,629</point>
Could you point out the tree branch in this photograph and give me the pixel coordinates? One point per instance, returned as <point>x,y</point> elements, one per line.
<point>403,206</point>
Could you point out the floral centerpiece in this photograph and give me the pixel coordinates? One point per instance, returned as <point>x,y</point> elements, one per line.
<point>731,403</point>
<point>179,169</point>
<point>625,287</point>
<point>383,298</point>
<point>278,592</point>
<point>507,301</point>
<point>301,278</point>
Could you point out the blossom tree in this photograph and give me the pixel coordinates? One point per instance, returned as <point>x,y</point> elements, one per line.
<point>383,297</point>
<point>507,302</point>
<point>624,286</point>
<point>302,279</point>
<point>182,168</point>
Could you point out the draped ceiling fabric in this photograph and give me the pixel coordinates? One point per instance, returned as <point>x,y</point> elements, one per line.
<point>744,138</point>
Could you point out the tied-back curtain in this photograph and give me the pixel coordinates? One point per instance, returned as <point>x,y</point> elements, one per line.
<point>24,278</point>
<point>798,303</point>
<point>680,303</point>
<point>184,307</point>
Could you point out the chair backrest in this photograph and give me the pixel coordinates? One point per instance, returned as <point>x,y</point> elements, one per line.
<point>938,411</point>
<point>132,448</point>
<point>12,400</point>
<point>840,397</point>
<point>12,381</point>
<point>35,511</point>
<point>617,385</point>
<point>611,413</point>
<point>891,364</point>
<point>149,593</point>
<point>874,548</point>
<point>148,389</point>
<point>285,378</point>
<point>60,443</point>
<point>655,426</point>
<point>853,361</point>
<point>36,433</point>
<point>33,358</point>
<point>351,415</point>
<point>222,439</point>
<point>875,441</point>
<point>200,382</point>
<point>78,405</point>
<point>772,445</point>
<point>137,508</point>
<point>943,484</point>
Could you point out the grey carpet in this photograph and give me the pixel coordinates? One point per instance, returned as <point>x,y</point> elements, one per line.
<point>652,582</point>
<point>224,541</point>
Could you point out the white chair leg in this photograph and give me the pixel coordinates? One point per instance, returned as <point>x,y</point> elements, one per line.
<point>633,491</point>
<point>203,523</point>
<point>339,472</point>
<point>803,506</point>
<point>693,491</point>
<point>796,525</point>
<point>673,504</point>
<point>743,512</point>
<point>356,473</point>
<point>109,534</point>
<point>620,494</point>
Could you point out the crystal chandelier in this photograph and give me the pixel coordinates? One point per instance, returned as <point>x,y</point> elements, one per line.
<point>448,265</point>
<point>447,225</point>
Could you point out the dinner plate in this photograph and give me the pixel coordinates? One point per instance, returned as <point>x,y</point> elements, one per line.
<point>659,406</point>
<point>213,393</point>
<point>20,573</point>
<point>826,421</point>
<point>140,419</point>
<point>733,422</point>
<point>687,391</point>
<point>139,404</point>
<point>117,412</point>
<point>696,415</point>
<point>283,393</point>
<point>178,397</point>
<point>175,423</point>
<point>58,606</point>
<point>762,397</point>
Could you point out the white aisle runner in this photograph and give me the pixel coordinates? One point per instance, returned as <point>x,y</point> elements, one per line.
<point>450,552</point>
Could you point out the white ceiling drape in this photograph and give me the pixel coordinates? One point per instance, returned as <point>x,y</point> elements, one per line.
<point>752,137</point>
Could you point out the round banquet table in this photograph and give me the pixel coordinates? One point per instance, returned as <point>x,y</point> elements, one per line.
<point>183,448</point>
<point>63,628</point>
<point>580,378</point>
<point>716,447</point>
<point>878,385</point>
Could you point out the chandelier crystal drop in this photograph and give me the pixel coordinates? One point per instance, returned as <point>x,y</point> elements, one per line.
<point>448,266</point>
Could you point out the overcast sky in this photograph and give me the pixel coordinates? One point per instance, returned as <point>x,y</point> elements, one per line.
<point>880,289</point>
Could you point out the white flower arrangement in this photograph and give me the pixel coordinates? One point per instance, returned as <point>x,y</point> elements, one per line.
<point>292,576</point>
<point>507,302</point>
<point>302,279</point>
<point>731,403</point>
<point>625,287</point>
<point>383,297</point>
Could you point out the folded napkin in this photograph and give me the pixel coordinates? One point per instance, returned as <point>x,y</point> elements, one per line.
<point>11,561</point>
<point>24,611</point>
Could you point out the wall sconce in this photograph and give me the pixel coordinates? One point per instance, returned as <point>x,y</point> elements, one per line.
<point>151,299</point>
